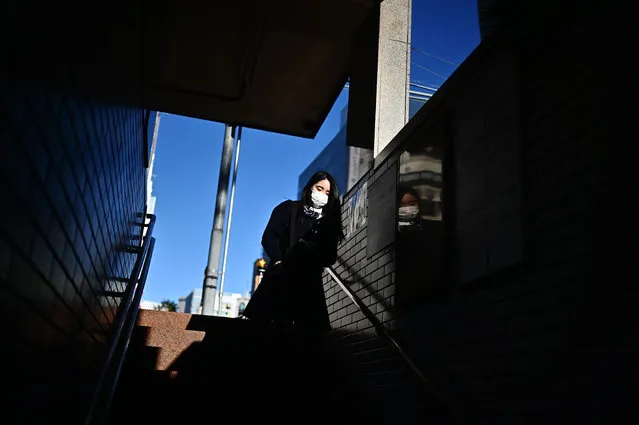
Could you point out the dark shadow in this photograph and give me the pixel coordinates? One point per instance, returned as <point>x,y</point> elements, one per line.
<point>139,382</point>
<point>420,265</point>
<point>144,358</point>
<point>383,381</point>
<point>240,368</point>
<point>289,375</point>
<point>365,284</point>
<point>431,387</point>
<point>284,373</point>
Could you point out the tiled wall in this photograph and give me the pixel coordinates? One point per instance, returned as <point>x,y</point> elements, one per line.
<point>525,333</point>
<point>392,392</point>
<point>72,182</point>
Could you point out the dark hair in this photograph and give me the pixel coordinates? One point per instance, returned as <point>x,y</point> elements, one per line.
<point>333,209</point>
<point>403,190</point>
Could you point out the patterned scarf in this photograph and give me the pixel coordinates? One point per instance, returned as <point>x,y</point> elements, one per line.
<point>312,212</point>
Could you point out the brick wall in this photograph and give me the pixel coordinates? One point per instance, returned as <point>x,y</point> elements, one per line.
<point>72,181</point>
<point>523,334</point>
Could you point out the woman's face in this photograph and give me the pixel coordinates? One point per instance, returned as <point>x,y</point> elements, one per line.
<point>322,186</point>
<point>408,200</point>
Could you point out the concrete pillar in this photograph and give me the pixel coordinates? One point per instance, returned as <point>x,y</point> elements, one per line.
<point>393,71</point>
<point>380,76</point>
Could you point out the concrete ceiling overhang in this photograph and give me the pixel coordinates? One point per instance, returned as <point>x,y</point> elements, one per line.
<point>275,65</point>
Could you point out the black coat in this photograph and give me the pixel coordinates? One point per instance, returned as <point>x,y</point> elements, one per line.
<point>292,291</point>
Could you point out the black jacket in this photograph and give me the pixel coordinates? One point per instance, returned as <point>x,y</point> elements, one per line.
<point>314,241</point>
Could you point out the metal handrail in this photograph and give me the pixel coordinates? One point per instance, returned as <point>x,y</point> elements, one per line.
<point>126,338</point>
<point>384,332</point>
<point>127,313</point>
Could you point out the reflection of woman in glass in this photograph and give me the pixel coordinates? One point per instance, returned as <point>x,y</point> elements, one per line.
<point>408,213</point>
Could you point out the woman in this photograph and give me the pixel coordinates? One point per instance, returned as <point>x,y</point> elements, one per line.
<point>408,212</point>
<point>300,239</point>
<point>419,250</point>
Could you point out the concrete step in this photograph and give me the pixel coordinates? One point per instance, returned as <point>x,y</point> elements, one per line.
<point>172,334</point>
<point>281,376</point>
<point>183,367</point>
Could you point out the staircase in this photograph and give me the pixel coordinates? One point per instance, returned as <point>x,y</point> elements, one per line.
<point>181,367</point>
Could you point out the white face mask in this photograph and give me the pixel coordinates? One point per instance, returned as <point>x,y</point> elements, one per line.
<point>318,199</point>
<point>408,213</point>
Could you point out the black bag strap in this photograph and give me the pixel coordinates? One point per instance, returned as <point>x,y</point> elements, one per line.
<point>293,225</point>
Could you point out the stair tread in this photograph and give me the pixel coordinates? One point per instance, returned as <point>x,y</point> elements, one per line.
<point>179,363</point>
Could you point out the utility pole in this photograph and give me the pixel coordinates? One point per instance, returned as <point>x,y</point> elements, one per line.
<point>227,233</point>
<point>211,272</point>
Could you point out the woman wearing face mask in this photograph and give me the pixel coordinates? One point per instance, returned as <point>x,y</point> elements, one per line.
<point>300,239</point>
<point>408,213</point>
<point>419,248</point>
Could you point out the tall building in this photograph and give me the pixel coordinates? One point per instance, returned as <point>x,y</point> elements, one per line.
<point>348,163</point>
<point>153,128</point>
<point>334,159</point>
<point>190,303</point>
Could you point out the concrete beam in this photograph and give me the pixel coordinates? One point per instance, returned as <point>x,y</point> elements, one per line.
<point>380,76</point>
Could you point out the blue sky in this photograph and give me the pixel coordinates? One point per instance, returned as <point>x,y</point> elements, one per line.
<point>188,158</point>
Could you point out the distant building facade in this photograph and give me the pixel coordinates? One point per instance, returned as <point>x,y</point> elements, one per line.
<point>149,305</point>
<point>233,304</point>
<point>190,303</point>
